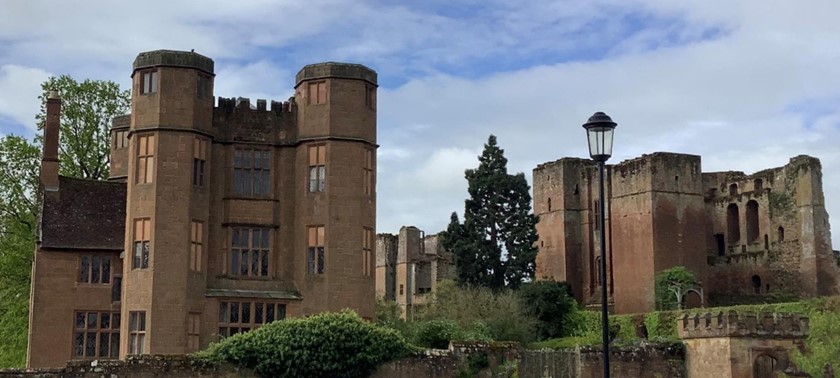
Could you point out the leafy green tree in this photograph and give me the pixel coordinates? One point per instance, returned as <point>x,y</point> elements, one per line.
<point>671,287</point>
<point>87,109</point>
<point>495,246</point>
<point>552,304</point>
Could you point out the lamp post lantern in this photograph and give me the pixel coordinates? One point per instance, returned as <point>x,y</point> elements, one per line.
<point>599,132</point>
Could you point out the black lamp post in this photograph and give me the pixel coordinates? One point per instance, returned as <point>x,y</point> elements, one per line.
<point>599,131</point>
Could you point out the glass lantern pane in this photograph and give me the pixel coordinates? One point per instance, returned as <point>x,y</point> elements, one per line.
<point>608,142</point>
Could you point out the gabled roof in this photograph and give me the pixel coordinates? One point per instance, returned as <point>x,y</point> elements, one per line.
<point>84,214</point>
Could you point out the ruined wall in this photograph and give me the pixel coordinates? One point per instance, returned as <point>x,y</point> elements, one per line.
<point>386,260</point>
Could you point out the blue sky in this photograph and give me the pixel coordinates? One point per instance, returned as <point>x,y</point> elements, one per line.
<point>745,84</point>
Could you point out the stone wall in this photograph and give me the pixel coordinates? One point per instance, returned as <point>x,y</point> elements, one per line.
<point>143,367</point>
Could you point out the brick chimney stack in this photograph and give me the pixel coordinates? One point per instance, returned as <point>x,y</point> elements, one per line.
<point>49,160</point>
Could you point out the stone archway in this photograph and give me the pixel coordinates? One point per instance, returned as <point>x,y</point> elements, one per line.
<point>764,366</point>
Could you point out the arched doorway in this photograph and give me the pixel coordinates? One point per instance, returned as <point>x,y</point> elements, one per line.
<point>733,228</point>
<point>764,366</point>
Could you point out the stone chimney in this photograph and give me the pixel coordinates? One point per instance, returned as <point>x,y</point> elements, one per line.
<point>49,159</point>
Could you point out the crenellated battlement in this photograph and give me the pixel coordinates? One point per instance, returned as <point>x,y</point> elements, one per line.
<point>229,106</point>
<point>732,324</point>
<point>235,119</point>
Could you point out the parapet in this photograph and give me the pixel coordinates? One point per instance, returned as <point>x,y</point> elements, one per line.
<point>172,58</point>
<point>335,69</point>
<point>121,121</point>
<point>228,106</point>
<point>748,325</point>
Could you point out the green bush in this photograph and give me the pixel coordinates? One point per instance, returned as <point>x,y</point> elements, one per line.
<point>437,333</point>
<point>324,345</point>
<point>551,303</point>
<point>502,312</point>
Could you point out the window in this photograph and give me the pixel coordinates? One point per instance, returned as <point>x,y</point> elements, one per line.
<point>317,93</point>
<point>752,221</point>
<point>758,185</point>
<point>370,97</point>
<point>149,84</point>
<point>315,251</point>
<point>369,183</point>
<point>196,243</point>
<point>780,234</point>
<point>137,332</point>
<point>733,227</point>
<point>250,172</point>
<point>116,289</point>
<point>202,86</point>
<point>236,317</point>
<point>402,289</point>
<point>733,190</point>
<point>549,204</point>
<point>120,139</point>
<point>142,235</point>
<point>598,271</point>
<point>367,251</point>
<point>317,168</point>
<point>95,269</point>
<point>193,331</point>
<point>249,252</point>
<point>199,161</point>
<point>145,158</point>
<point>96,335</point>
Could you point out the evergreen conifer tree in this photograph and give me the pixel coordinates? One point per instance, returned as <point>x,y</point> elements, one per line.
<point>495,246</point>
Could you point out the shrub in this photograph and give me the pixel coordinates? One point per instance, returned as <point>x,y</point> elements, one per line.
<point>502,312</point>
<point>551,303</point>
<point>671,287</point>
<point>437,333</point>
<point>324,345</point>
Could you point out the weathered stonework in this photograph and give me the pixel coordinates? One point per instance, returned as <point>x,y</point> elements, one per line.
<point>748,238</point>
<point>333,108</point>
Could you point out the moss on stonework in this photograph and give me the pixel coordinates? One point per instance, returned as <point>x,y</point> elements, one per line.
<point>781,205</point>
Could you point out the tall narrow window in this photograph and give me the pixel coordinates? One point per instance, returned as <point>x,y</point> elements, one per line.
<point>149,84</point>
<point>733,190</point>
<point>317,168</point>
<point>367,251</point>
<point>137,332</point>
<point>199,161</point>
<point>196,245</point>
<point>120,140</point>
<point>97,335</point>
<point>94,269</point>
<point>315,250</point>
<point>249,252</point>
<point>193,331</point>
<point>758,185</point>
<point>142,236</point>
<point>369,183</point>
<point>370,96</point>
<point>116,289</point>
<point>780,234</point>
<point>251,170</point>
<point>752,221</point>
<point>145,158</point>
<point>733,226</point>
<point>317,93</point>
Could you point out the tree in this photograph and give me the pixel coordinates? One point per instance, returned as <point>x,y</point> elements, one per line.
<point>552,304</point>
<point>87,109</point>
<point>495,246</point>
<point>672,285</point>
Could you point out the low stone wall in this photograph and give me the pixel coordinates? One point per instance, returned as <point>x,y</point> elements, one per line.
<point>650,360</point>
<point>133,367</point>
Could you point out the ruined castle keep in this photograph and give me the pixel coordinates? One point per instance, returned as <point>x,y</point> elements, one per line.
<point>409,267</point>
<point>748,238</point>
<point>218,217</point>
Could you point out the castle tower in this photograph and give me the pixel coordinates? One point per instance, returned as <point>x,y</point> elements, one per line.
<point>335,207</point>
<point>166,208</point>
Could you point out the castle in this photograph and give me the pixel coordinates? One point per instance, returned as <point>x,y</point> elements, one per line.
<point>748,238</point>
<point>409,267</point>
<point>216,218</point>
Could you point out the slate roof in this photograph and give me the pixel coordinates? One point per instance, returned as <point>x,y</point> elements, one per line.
<point>84,214</point>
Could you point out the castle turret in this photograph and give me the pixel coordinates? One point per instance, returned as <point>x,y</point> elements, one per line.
<point>167,201</point>
<point>336,205</point>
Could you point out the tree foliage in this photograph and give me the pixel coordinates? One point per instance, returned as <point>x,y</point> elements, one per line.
<point>324,345</point>
<point>87,109</point>
<point>495,246</point>
<point>671,287</point>
<point>552,304</point>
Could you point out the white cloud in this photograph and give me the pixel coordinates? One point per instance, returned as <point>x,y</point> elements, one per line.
<point>18,97</point>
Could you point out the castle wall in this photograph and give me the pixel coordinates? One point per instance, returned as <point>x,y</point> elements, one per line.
<point>386,259</point>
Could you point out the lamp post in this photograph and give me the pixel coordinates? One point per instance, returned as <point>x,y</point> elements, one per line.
<point>599,131</point>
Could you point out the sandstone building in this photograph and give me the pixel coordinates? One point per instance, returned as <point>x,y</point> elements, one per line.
<point>409,267</point>
<point>217,218</point>
<point>748,238</point>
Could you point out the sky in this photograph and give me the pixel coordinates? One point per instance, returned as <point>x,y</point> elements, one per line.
<point>745,84</point>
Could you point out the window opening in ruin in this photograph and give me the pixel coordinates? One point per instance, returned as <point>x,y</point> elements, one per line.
<point>549,204</point>
<point>317,168</point>
<point>780,233</point>
<point>97,335</point>
<point>676,178</point>
<point>315,251</point>
<point>766,242</point>
<point>733,229</point>
<point>249,252</point>
<point>758,184</point>
<point>721,244</point>
<point>251,170</point>
<point>733,190</point>
<point>752,221</point>
<point>402,289</point>
<point>756,282</point>
<point>577,189</point>
<point>137,332</point>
